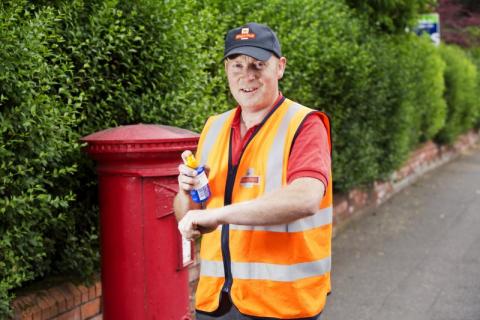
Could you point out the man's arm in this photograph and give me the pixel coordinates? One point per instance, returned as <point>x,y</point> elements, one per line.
<point>297,200</point>
<point>182,204</point>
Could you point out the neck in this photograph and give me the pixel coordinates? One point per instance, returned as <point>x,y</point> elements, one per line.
<point>252,118</point>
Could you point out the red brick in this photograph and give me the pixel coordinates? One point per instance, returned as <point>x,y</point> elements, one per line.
<point>98,288</point>
<point>90,308</point>
<point>341,216</point>
<point>68,295</point>
<point>70,315</point>
<point>83,292</point>
<point>75,292</point>
<point>22,314</point>
<point>35,309</point>
<point>91,292</point>
<point>37,315</point>
<point>26,307</point>
<point>358,198</point>
<point>340,207</point>
<point>49,311</point>
<point>381,191</point>
<point>47,303</point>
<point>59,297</point>
<point>70,301</point>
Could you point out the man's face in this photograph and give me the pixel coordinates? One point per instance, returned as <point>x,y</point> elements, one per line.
<point>254,83</point>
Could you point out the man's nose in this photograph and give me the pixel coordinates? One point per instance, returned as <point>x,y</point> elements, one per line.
<point>251,74</point>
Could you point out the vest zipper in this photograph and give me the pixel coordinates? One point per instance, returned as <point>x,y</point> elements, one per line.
<point>232,173</point>
<point>225,236</point>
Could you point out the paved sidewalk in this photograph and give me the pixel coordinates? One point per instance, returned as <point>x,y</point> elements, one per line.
<point>417,257</point>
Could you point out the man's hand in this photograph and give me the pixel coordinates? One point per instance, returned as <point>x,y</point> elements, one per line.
<point>197,222</point>
<point>187,179</point>
<point>187,176</point>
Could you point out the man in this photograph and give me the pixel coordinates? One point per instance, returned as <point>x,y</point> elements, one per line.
<point>266,245</point>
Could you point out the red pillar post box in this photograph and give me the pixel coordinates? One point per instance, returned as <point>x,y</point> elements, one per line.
<point>144,260</point>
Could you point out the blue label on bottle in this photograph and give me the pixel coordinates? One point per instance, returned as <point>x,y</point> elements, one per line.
<point>202,191</point>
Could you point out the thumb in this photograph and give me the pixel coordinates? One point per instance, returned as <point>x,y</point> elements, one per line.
<point>185,155</point>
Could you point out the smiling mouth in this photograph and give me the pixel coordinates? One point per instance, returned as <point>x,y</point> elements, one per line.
<point>249,90</point>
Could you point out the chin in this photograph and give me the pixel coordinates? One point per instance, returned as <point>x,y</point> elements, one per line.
<point>250,105</point>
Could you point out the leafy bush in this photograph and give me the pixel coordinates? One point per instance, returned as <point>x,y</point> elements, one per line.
<point>69,69</point>
<point>408,94</point>
<point>429,86</point>
<point>134,63</point>
<point>37,146</point>
<point>474,54</point>
<point>391,16</point>
<point>461,94</point>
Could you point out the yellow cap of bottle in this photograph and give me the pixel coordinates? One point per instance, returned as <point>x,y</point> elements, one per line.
<point>191,162</point>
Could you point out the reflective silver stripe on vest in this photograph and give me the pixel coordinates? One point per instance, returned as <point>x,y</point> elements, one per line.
<point>211,269</point>
<point>268,271</point>
<point>274,169</point>
<point>321,218</point>
<point>212,135</point>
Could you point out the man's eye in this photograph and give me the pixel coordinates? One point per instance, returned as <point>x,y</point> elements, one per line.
<point>259,65</point>
<point>238,66</point>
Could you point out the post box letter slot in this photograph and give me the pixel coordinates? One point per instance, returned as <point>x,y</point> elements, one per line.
<point>164,195</point>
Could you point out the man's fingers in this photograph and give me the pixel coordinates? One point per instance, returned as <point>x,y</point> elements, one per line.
<point>186,178</point>
<point>187,171</point>
<point>186,183</point>
<point>203,230</point>
<point>188,227</point>
<point>195,234</point>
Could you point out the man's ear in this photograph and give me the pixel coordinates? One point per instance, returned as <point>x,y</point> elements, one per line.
<point>282,63</point>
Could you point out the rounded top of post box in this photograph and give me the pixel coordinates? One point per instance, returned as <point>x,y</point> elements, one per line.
<point>140,132</point>
<point>140,138</point>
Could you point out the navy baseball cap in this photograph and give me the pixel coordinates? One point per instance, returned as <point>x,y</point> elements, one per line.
<point>255,40</point>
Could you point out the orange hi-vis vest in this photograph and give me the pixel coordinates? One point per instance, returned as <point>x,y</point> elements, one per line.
<point>278,271</point>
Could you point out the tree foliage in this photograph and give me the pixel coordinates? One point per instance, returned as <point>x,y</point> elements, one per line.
<point>392,16</point>
<point>460,22</point>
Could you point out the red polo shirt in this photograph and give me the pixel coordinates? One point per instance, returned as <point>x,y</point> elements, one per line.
<point>310,153</point>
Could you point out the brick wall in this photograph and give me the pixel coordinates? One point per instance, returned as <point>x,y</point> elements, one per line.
<point>69,301</point>
<point>62,302</point>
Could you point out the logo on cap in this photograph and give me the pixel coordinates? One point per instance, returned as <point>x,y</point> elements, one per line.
<point>245,35</point>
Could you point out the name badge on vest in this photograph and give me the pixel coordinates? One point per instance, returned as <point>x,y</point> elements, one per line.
<point>249,180</point>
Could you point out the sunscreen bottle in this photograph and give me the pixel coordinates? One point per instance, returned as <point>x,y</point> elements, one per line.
<point>201,191</point>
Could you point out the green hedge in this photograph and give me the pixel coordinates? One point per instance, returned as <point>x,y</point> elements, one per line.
<point>474,54</point>
<point>70,68</point>
<point>461,94</point>
<point>391,16</point>
<point>408,90</point>
<point>38,148</point>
